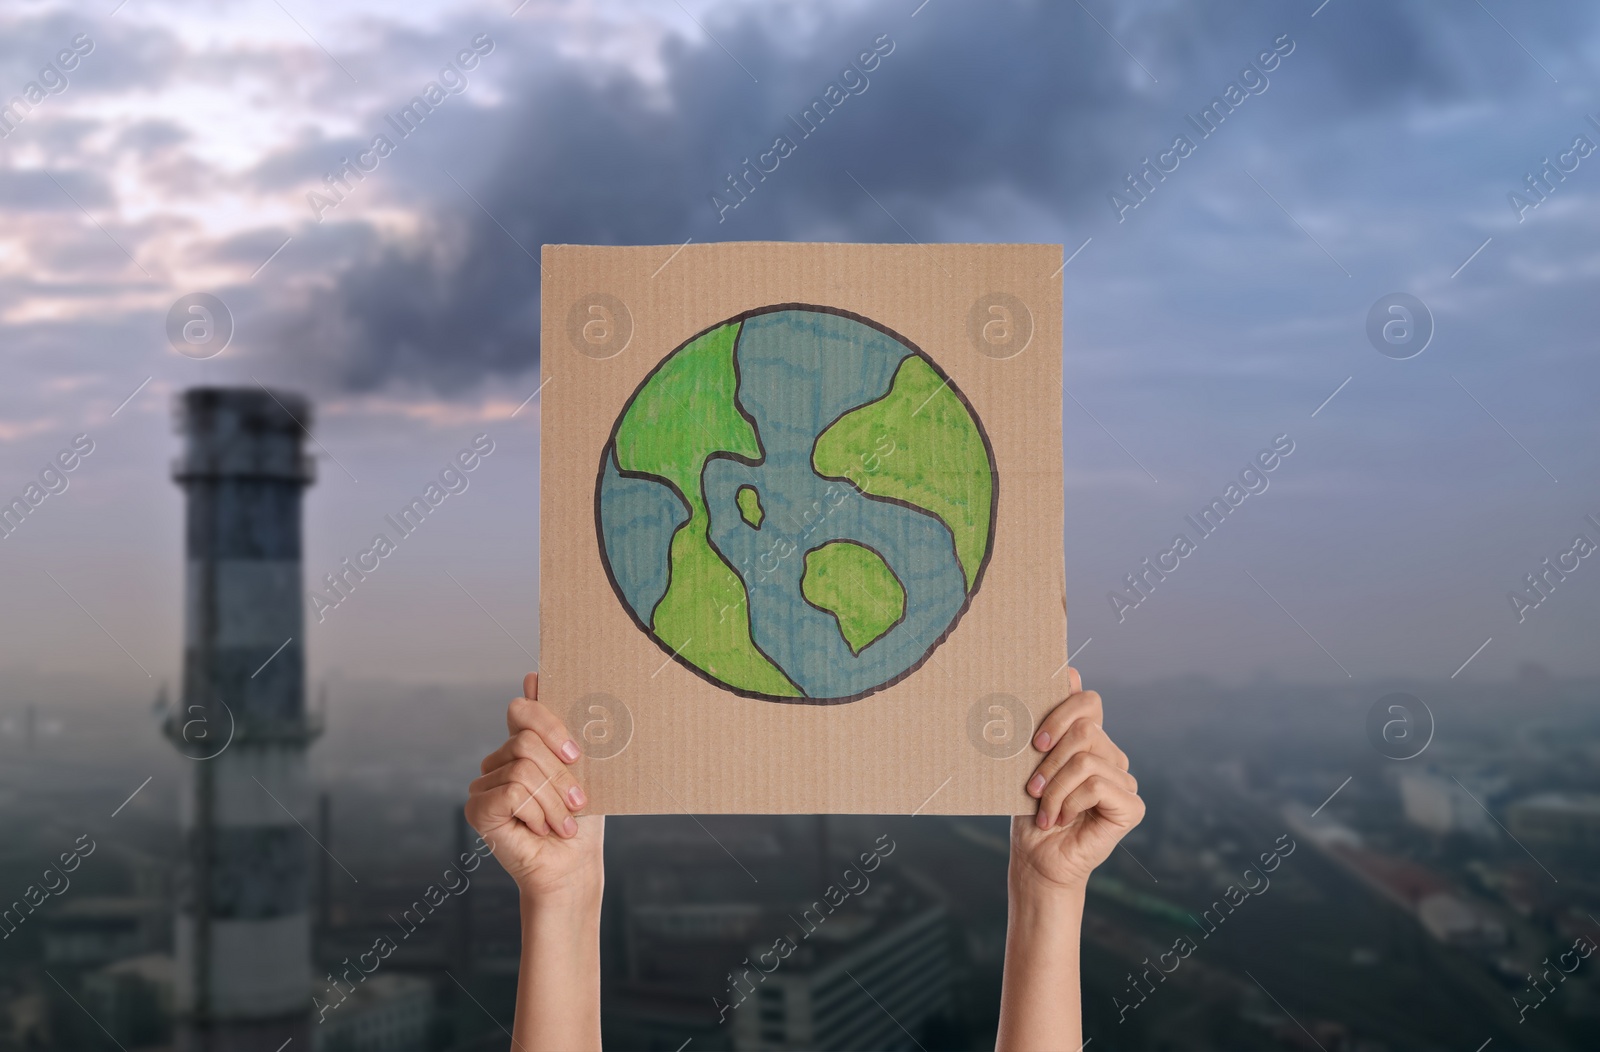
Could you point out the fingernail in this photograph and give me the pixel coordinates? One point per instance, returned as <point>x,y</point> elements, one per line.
<point>575,795</point>
<point>569,751</point>
<point>1036,786</point>
<point>570,826</point>
<point>1043,820</point>
<point>1042,741</point>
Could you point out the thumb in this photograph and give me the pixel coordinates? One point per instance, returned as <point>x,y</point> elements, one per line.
<point>530,686</point>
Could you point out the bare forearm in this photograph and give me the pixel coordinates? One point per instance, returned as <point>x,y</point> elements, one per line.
<point>558,990</point>
<point>1039,1001</point>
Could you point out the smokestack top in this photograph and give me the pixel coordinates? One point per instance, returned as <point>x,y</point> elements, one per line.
<point>243,432</point>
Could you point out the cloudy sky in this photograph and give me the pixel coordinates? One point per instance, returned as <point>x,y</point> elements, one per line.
<point>1377,156</point>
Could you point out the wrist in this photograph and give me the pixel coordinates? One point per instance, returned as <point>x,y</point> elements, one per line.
<point>1043,920</point>
<point>578,904</point>
<point>1027,885</point>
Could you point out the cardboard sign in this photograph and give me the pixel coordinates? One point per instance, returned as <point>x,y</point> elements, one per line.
<point>801,523</point>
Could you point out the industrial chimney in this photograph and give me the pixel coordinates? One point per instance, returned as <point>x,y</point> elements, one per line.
<point>243,930</point>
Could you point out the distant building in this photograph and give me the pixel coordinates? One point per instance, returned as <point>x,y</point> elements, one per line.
<point>1324,831</point>
<point>384,1013</point>
<point>1456,922</point>
<point>877,987</point>
<point>691,951</point>
<point>1405,883</point>
<point>133,999</point>
<point>92,931</point>
<point>28,1016</point>
<point>1440,805</point>
<point>1567,822</point>
<point>243,928</point>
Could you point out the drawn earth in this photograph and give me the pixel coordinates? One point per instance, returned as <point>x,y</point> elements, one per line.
<point>797,505</point>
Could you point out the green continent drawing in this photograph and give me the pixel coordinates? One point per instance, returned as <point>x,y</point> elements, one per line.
<point>937,463</point>
<point>797,505</point>
<point>750,506</point>
<point>856,586</point>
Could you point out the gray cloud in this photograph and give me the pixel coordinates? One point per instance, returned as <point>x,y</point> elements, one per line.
<point>152,136</point>
<point>1028,98</point>
<point>124,55</point>
<point>303,163</point>
<point>38,191</point>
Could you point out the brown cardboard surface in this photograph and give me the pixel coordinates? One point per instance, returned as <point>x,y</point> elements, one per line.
<point>951,736</point>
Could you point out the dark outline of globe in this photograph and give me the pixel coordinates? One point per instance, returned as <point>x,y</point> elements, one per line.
<point>673,653</point>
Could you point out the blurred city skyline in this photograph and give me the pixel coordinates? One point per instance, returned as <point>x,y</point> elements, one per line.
<point>1325,321</point>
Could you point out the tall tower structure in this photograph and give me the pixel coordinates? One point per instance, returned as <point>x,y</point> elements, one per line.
<point>243,931</point>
